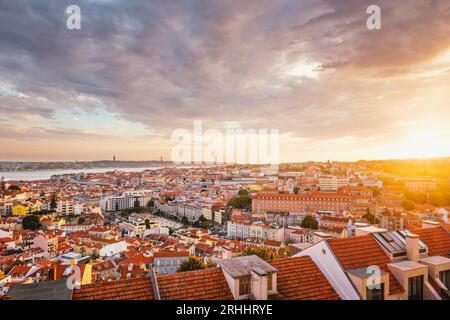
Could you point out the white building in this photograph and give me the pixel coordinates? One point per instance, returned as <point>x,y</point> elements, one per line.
<point>122,202</point>
<point>259,229</point>
<point>113,249</point>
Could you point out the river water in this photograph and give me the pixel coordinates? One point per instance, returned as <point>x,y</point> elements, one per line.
<point>46,174</point>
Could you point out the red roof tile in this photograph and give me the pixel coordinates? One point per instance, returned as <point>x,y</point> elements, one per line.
<point>436,239</point>
<point>363,251</point>
<point>208,284</point>
<point>300,279</point>
<point>129,289</point>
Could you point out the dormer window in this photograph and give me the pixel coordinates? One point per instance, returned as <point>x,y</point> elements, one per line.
<point>444,276</point>
<point>244,285</point>
<point>415,288</point>
<point>375,292</point>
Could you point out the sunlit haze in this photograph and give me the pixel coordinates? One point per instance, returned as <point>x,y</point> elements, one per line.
<point>138,70</point>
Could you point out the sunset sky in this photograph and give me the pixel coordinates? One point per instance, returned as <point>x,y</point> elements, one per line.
<point>137,70</point>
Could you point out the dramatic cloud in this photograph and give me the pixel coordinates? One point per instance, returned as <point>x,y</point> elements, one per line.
<point>137,70</point>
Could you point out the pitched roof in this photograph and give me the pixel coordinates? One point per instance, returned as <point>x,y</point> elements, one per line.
<point>363,251</point>
<point>47,290</point>
<point>128,289</point>
<point>437,240</point>
<point>208,284</point>
<point>300,279</point>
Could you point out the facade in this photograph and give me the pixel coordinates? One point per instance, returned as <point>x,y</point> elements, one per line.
<point>168,262</point>
<point>123,202</point>
<point>311,202</point>
<point>332,184</point>
<point>258,229</point>
<point>420,185</point>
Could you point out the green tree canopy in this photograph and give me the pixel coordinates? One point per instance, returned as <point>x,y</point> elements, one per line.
<point>14,188</point>
<point>31,222</point>
<point>53,202</point>
<point>369,217</point>
<point>262,252</point>
<point>296,189</point>
<point>310,222</point>
<point>240,202</point>
<point>184,220</point>
<point>408,204</point>
<point>193,263</point>
<point>243,192</point>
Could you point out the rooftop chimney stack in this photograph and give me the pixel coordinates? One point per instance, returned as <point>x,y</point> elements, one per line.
<point>412,247</point>
<point>426,224</point>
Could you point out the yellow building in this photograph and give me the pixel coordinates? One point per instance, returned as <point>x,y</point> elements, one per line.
<point>20,210</point>
<point>254,187</point>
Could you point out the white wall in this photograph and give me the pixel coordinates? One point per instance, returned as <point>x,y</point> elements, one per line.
<point>324,258</point>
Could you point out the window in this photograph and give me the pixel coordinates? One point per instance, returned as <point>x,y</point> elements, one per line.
<point>444,276</point>
<point>415,288</point>
<point>244,285</point>
<point>375,292</point>
<point>269,281</point>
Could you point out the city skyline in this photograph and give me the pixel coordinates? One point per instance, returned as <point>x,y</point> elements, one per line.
<point>135,72</point>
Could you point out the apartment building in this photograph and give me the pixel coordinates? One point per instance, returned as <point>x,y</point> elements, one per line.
<point>122,202</point>
<point>258,229</point>
<point>48,243</point>
<point>310,202</point>
<point>137,224</point>
<point>168,262</point>
<point>420,185</point>
<point>332,183</point>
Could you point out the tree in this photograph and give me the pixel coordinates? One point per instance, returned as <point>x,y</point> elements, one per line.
<point>53,202</point>
<point>151,203</point>
<point>240,202</point>
<point>184,220</point>
<point>14,188</point>
<point>369,217</point>
<point>2,184</point>
<point>243,192</point>
<point>31,222</point>
<point>296,190</point>
<point>408,204</point>
<point>262,252</point>
<point>81,220</point>
<point>203,222</point>
<point>376,191</point>
<point>193,263</point>
<point>310,222</point>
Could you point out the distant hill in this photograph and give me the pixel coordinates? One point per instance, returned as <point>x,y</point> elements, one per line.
<point>33,166</point>
<point>437,168</point>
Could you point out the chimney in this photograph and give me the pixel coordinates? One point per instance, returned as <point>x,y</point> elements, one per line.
<point>259,284</point>
<point>427,224</point>
<point>412,247</point>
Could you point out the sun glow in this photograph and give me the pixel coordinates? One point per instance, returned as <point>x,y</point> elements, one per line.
<point>422,142</point>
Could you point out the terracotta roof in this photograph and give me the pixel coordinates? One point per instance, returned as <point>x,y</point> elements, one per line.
<point>170,254</point>
<point>300,279</point>
<point>363,251</point>
<point>437,240</point>
<point>446,226</point>
<point>208,284</point>
<point>129,289</point>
